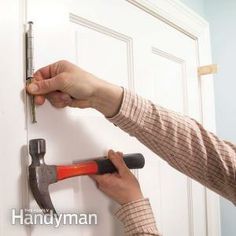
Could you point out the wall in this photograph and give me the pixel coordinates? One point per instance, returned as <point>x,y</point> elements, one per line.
<point>222,18</point>
<point>197,5</point>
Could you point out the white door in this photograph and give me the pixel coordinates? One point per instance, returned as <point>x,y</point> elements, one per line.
<point>124,45</point>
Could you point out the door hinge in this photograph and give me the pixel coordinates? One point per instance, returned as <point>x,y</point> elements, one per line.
<point>30,65</point>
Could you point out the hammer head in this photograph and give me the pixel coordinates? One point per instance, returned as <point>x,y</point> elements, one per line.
<point>41,175</point>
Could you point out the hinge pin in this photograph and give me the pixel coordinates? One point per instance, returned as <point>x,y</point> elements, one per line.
<point>30,66</point>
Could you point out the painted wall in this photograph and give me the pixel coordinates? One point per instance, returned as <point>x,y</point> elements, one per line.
<point>222,18</point>
<point>197,5</point>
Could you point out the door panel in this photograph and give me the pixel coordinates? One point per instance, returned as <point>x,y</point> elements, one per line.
<point>116,46</point>
<point>169,87</point>
<point>141,53</point>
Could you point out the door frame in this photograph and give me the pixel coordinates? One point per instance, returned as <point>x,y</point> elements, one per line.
<point>182,18</point>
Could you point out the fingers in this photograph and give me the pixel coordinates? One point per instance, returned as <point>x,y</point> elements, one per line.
<point>48,71</point>
<point>43,73</point>
<point>96,178</point>
<point>103,180</point>
<point>39,87</point>
<point>48,79</point>
<point>39,100</point>
<point>118,161</point>
<point>59,99</point>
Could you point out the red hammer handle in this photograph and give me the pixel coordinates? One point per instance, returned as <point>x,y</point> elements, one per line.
<point>86,168</point>
<point>99,166</point>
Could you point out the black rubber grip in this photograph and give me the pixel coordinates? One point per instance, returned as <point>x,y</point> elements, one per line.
<point>133,161</point>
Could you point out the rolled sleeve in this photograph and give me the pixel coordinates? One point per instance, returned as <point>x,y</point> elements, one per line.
<point>131,114</point>
<point>137,218</point>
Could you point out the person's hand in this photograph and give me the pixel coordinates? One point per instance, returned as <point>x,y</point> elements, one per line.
<point>122,186</point>
<point>65,84</point>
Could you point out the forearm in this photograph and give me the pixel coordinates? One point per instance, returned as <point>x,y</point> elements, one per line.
<point>182,142</point>
<point>137,218</point>
<point>107,98</point>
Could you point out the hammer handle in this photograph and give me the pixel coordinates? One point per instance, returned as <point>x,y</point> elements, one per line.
<point>99,166</point>
<point>132,161</point>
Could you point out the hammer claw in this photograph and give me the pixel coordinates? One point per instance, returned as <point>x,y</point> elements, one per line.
<point>44,201</point>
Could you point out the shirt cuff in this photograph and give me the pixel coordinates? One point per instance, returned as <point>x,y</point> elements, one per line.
<point>132,112</point>
<point>137,218</point>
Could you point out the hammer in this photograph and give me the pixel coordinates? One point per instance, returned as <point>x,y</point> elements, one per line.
<point>42,175</point>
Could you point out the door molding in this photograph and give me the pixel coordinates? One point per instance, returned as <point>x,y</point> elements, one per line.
<point>174,13</point>
<point>182,18</point>
<point>114,34</point>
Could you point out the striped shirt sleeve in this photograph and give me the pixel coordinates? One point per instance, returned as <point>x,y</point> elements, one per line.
<point>182,142</point>
<point>137,218</point>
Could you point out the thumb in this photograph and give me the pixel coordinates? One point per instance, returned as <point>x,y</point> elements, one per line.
<point>118,162</point>
<point>44,86</point>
